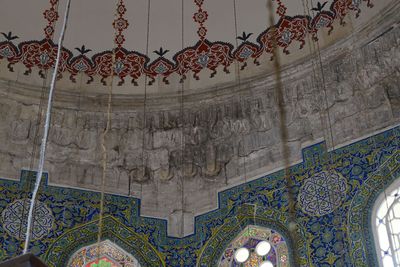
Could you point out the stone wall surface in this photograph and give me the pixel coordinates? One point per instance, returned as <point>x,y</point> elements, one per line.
<point>334,197</point>
<point>176,160</point>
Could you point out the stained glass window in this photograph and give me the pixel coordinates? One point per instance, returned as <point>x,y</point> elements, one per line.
<point>265,247</point>
<point>107,254</point>
<point>387,226</point>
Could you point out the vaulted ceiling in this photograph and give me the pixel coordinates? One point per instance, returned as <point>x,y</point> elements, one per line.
<point>163,42</point>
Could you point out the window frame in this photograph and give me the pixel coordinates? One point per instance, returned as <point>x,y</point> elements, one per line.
<point>380,200</point>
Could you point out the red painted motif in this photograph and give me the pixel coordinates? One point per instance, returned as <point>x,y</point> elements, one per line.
<point>160,67</point>
<point>342,8</point>
<point>204,55</point>
<point>323,19</point>
<point>281,9</point>
<point>265,39</point>
<point>51,15</point>
<point>245,51</point>
<point>291,29</point>
<point>126,64</point>
<point>200,17</point>
<point>10,52</point>
<point>80,64</point>
<point>43,55</point>
<point>120,24</point>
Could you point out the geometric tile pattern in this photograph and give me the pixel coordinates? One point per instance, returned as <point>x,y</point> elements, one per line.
<point>360,222</point>
<point>107,252</point>
<point>136,241</point>
<point>387,223</point>
<point>322,193</point>
<point>15,215</point>
<point>249,238</point>
<point>341,237</point>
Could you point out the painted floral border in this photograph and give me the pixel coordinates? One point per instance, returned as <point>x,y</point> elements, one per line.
<point>204,54</point>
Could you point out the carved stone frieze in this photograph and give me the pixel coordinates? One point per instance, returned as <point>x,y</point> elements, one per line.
<point>214,143</point>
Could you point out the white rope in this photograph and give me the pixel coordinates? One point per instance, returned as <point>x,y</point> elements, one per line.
<point>46,130</point>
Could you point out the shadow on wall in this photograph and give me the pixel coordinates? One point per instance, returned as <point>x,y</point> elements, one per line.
<point>332,232</point>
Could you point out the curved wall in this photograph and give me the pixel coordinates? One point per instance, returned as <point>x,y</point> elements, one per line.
<point>230,136</point>
<point>330,233</point>
<point>27,53</point>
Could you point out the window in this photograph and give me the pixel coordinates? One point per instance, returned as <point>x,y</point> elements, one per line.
<point>110,256</point>
<point>256,247</point>
<point>386,222</point>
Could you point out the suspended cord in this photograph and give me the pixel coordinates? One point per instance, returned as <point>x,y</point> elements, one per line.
<point>39,115</point>
<point>319,57</point>
<point>332,154</point>
<point>316,83</point>
<point>36,136</point>
<point>314,80</point>
<point>236,40</point>
<point>38,120</point>
<point>144,104</point>
<point>182,126</point>
<point>103,147</point>
<point>284,136</point>
<point>104,154</point>
<point>46,130</point>
<point>35,140</point>
<point>239,82</point>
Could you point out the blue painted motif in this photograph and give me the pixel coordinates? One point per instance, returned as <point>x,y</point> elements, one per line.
<point>15,218</point>
<point>339,238</point>
<point>322,193</point>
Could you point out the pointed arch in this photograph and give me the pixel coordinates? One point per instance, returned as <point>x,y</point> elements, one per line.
<point>72,241</point>
<point>386,225</point>
<point>249,238</point>
<point>233,227</point>
<point>361,214</point>
<point>104,253</point>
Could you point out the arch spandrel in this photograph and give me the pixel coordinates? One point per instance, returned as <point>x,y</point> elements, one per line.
<point>72,241</point>
<point>360,229</point>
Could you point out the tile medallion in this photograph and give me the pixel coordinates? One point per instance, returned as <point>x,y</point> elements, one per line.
<point>322,193</point>
<point>15,215</point>
<point>331,213</point>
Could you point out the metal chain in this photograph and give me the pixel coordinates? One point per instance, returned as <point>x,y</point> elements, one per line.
<point>284,137</point>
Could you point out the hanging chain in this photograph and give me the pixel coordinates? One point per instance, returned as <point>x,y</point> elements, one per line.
<point>46,129</point>
<point>284,137</point>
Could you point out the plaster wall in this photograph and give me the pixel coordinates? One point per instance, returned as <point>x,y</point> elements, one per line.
<point>176,162</point>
